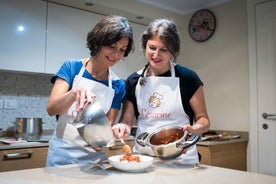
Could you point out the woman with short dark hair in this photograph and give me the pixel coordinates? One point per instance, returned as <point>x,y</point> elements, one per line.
<point>80,82</point>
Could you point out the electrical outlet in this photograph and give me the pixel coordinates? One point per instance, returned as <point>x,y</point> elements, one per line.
<point>10,104</point>
<point>1,104</point>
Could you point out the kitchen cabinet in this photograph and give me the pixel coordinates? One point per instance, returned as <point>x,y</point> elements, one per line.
<point>67,29</point>
<point>23,158</point>
<point>22,35</point>
<point>52,34</point>
<point>228,154</point>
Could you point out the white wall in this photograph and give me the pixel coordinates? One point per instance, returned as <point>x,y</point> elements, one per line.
<point>222,64</point>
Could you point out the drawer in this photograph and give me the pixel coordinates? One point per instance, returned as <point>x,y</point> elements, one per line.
<point>27,158</point>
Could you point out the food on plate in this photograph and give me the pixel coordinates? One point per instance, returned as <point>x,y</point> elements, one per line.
<point>130,158</point>
<point>140,164</point>
<point>128,155</point>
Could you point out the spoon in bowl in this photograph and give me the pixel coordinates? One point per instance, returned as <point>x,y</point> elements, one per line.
<point>126,148</point>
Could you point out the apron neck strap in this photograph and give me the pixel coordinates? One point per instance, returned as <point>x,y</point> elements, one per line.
<point>83,69</point>
<point>171,66</point>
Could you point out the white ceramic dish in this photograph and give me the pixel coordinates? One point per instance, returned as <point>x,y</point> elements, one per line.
<point>146,161</point>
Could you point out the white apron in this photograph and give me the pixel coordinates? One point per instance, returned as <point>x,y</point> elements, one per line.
<point>159,105</point>
<point>66,145</point>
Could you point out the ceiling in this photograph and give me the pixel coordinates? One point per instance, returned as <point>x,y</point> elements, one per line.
<point>148,9</point>
<point>183,6</point>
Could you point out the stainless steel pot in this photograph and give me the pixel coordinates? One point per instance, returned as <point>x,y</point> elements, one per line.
<point>28,128</point>
<point>93,126</point>
<point>167,142</point>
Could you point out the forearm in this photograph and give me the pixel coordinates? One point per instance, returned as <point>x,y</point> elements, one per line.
<point>127,116</point>
<point>123,128</point>
<point>60,104</point>
<point>201,125</point>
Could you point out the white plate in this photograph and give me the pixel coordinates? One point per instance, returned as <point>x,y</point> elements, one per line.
<point>146,161</point>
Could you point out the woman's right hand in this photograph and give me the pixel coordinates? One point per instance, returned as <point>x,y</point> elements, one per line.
<point>82,97</point>
<point>121,130</point>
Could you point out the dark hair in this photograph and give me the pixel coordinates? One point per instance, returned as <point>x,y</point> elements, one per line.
<point>108,31</point>
<point>166,30</point>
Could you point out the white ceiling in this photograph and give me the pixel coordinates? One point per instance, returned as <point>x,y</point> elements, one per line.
<point>183,6</point>
<point>127,8</point>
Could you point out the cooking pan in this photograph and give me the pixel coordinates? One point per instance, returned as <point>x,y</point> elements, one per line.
<point>167,142</point>
<point>28,128</point>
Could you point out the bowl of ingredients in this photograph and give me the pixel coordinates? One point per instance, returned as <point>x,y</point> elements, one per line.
<point>130,163</point>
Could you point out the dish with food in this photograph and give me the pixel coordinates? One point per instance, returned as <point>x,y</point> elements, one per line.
<point>120,163</point>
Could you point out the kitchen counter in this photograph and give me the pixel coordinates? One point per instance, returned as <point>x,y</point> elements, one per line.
<point>23,145</point>
<point>160,172</point>
<point>7,143</point>
<point>214,142</point>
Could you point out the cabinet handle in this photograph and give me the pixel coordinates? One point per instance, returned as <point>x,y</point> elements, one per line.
<point>10,156</point>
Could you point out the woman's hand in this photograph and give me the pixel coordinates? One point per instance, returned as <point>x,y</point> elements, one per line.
<point>195,129</point>
<point>82,97</point>
<point>121,130</point>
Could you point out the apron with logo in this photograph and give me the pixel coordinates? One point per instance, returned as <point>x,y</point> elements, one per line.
<point>160,105</point>
<point>66,145</point>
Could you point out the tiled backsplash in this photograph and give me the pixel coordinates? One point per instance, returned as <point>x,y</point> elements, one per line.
<point>31,92</point>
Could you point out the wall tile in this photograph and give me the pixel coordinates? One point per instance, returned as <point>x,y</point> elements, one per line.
<point>31,91</point>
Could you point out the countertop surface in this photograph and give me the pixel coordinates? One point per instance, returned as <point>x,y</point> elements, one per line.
<point>7,143</point>
<point>159,172</point>
<point>214,142</point>
<point>4,146</point>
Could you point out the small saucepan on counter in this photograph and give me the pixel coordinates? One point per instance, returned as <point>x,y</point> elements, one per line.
<point>167,142</point>
<point>29,129</point>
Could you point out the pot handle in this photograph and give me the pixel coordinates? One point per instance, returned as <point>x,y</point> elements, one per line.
<point>141,139</point>
<point>191,141</point>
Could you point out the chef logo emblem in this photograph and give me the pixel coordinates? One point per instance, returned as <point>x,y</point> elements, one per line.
<point>155,100</point>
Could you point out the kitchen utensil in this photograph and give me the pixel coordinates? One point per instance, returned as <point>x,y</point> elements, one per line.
<point>122,140</point>
<point>28,128</point>
<point>145,162</point>
<point>126,148</point>
<point>167,142</point>
<point>93,126</point>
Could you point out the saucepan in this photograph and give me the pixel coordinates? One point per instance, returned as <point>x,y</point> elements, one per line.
<point>93,126</point>
<point>28,128</point>
<point>167,142</point>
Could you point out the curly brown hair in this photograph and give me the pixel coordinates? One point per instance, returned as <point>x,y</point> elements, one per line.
<point>108,31</point>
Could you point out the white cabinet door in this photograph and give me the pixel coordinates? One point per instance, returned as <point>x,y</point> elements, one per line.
<point>22,35</point>
<point>67,29</point>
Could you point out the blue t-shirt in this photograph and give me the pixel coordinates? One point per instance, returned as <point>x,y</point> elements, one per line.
<point>71,68</point>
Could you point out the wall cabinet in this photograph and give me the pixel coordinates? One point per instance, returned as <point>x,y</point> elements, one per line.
<point>67,29</point>
<point>25,158</point>
<point>52,34</point>
<point>22,35</point>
